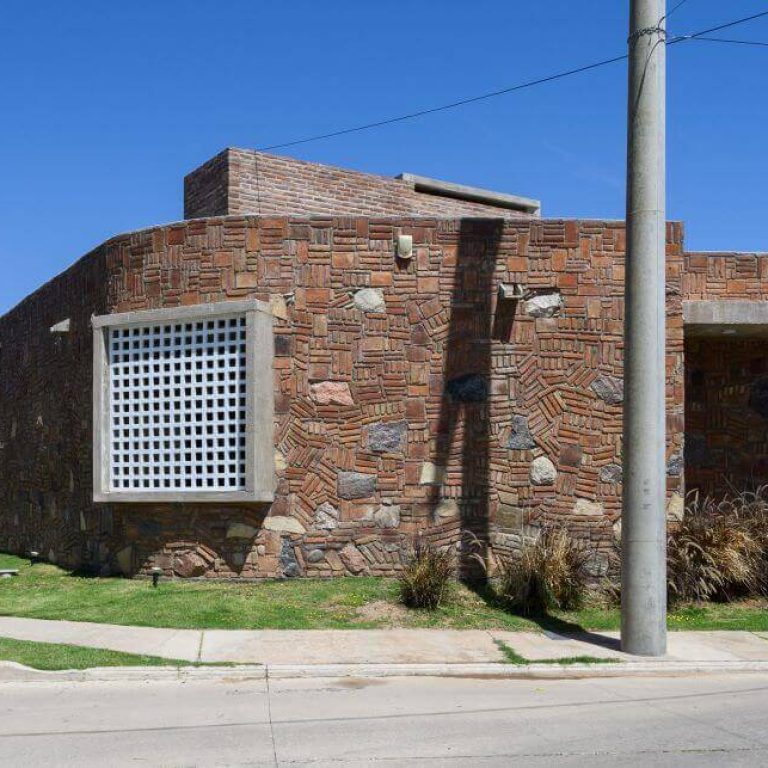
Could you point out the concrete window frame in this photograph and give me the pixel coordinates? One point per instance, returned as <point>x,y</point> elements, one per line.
<point>260,480</point>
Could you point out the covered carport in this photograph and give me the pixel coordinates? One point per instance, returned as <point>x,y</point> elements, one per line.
<point>726,396</point>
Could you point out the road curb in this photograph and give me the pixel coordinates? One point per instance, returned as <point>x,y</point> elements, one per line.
<point>12,672</point>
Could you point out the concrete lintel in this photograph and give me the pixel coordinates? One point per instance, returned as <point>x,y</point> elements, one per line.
<point>474,194</point>
<point>172,314</point>
<point>182,497</point>
<point>726,318</point>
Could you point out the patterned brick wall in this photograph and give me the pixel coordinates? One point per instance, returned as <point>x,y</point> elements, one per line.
<point>239,181</point>
<point>408,396</point>
<point>726,434</point>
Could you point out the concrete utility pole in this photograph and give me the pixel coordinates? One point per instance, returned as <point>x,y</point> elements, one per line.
<point>643,570</point>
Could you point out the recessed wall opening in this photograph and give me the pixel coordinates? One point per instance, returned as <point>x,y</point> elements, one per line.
<point>726,412</point>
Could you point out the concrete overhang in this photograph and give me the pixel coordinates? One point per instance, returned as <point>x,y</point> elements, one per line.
<point>471,194</point>
<point>725,318</point>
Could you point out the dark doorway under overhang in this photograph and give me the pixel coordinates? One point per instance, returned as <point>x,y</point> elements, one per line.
<point>726,397</point>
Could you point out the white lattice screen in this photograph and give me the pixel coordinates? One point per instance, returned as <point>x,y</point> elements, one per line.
<point>177,394</point>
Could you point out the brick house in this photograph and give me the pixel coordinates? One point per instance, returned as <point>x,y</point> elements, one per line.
<point>317,364</point>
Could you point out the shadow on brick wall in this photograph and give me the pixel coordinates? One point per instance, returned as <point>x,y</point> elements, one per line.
<point>464,428</point>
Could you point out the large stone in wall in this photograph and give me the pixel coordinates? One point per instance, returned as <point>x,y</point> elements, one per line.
<point>326,517</point>
<point>353,559</point>
<point>431,474</point>
<point>597,565</point>
<point>386,436</point>
<point>315,556</point>
<point>543,471</point>
<point>470,388</point>
<point>611,473</point>
<point>370,300</point>
<point>384,516</point>
<point>355,485</point>
<point>278,306</point>
<point>447,508</point>
<point>283,524</point>
<point>544,305</point>
<point>510,516</point>
<point>331,393</point>
<point>675,465</point>
<point>520,437</point>
<point>588,508</point>
<point>241,531</point>
<point>609,389</point>
<point>189,565</point>
<point>289,565</point>
<point>675,508</point>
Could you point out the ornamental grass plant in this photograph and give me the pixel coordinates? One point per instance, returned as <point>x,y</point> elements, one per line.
<point>426,578</point>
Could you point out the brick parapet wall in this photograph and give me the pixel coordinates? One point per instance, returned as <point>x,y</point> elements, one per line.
<point>726,276</point>
<point>206,189</point>
<point>272,185</point>
<point>444,402</point>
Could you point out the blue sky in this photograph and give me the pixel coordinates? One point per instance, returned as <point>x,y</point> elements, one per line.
<point>105,107</point>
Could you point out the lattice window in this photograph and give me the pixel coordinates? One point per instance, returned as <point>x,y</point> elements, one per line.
<point>177,395</point>
<point>178,410</point>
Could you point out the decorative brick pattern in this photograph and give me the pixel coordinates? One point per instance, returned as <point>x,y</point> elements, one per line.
<point>447,366</point>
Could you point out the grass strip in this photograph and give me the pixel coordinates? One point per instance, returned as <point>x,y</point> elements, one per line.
<point>44,591</point>
<point>511,656</point>
<point>52,656</point>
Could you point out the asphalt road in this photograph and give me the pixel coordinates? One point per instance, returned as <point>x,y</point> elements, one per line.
<point>432,722</point>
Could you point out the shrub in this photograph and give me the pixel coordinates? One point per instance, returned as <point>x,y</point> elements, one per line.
<point>753,510</point>
<point>718,550</point>
<point>426,578</point>
<point>549,574</point>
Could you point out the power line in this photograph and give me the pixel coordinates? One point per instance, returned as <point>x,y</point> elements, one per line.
<point>727,25</point>
<point>452,105</point>
<point>734,42</point>
<point>511,89</point>
<point>679,5</point>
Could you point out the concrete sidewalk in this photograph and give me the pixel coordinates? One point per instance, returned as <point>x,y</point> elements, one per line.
<point>378,647</point>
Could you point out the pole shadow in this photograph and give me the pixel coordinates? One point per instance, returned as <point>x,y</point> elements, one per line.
<point>464,427</point>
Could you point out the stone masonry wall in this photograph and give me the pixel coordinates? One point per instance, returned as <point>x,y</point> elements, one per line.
<point>240,181</point>
<point>408,396</point>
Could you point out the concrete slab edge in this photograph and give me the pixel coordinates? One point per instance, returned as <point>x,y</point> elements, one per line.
<point>12,672</point>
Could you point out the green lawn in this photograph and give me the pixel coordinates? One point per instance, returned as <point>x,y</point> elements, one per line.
<point>511,656</point>
<point>46,592</point>
<point>55,656</point>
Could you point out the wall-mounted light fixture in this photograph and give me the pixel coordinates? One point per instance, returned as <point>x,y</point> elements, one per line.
<point>512,291</point>
<point>404,246</point>
<point>63,327</point>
